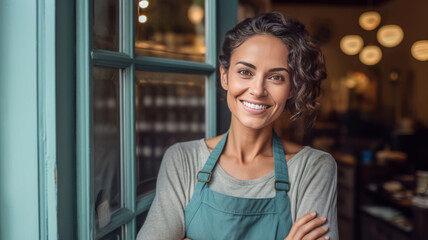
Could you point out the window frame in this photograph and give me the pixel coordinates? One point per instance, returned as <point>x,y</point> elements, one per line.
<point>127,62</point>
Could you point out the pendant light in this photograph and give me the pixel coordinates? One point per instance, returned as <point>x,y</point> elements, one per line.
<point>142,18</point>
<point>143,4</point>
<point>195,13</point>
<point>370,55</point>
<point>419,50</point>
<point>369,20</point>
<point>351,44</point>
<point>390,35</point>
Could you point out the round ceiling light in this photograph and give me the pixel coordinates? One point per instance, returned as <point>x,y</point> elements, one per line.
<point>420,50</point>
<point>142,18</point>
<point>144,4</point>
<point>195,13</point>
<point>369,20</point>
<point>370,55</point>
<point>351,44</point>
<point>390,35</point>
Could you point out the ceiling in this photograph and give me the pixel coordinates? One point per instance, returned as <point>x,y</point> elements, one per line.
<point>334,2</point>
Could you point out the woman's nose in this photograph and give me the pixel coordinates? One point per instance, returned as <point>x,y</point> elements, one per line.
<point>257,87</point>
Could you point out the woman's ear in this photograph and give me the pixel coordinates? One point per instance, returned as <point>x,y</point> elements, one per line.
<point>223,78</point>
<point>290,95</point>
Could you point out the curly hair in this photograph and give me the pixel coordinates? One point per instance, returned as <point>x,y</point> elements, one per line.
<point>305,59</point>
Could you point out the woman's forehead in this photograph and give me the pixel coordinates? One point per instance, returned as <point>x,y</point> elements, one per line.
<point>262,49</point>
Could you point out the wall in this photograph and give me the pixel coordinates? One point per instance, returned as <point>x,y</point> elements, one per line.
<point>19,206</point>
<point>343,20</point>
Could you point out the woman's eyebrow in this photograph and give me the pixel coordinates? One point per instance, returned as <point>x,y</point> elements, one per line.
<point>278,69</point>
<point>246,64</point>
<point>270,70</point>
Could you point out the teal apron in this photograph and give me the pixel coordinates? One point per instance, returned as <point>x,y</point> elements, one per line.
<point>212,215</point>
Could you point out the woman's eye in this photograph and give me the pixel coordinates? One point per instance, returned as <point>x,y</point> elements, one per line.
<point>277,78</point>
<point>245,73</point>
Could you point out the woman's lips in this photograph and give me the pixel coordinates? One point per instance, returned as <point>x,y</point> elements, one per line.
<point>253,107</point>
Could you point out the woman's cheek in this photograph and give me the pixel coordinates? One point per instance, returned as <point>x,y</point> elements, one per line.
<point>237,86</point>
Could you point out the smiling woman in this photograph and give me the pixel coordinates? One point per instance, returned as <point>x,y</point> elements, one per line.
<point>248,183</point>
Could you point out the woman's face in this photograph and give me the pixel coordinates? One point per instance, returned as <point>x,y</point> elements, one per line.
<point>258,81</point>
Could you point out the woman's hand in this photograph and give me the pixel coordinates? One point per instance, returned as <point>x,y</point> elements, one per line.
<point>308,228</point>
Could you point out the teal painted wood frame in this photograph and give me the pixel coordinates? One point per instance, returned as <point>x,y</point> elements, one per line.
<point>46,118</point>
<point>66,118</point>
<point>85,214</point>
<point>211,55</point>
<point>125,60</point>
<point>128,116</point>
<point>19,157</point>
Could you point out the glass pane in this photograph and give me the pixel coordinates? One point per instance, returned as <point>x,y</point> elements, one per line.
<point>106,24</point>
<point>170,29</point>
<point>117,234</point>
<point>140,220</point>
<point>106,123</point>
<point>170,108</point>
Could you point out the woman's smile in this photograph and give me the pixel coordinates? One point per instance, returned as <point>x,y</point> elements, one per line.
<point>255,108</point>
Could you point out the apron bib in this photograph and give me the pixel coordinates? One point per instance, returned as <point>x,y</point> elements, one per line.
<point>212,215</point>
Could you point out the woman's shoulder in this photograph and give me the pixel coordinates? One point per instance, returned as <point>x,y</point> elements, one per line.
<point>186,148</point>
<point>312,166</point>
<point>291,149</point>
<point>188,154</point>
<point>306,154</point>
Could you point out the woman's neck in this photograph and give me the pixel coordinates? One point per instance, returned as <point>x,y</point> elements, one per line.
<point>246,144</point>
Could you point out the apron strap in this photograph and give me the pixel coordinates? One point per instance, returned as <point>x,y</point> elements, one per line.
<point>281,170</point>
<point>207,171</point>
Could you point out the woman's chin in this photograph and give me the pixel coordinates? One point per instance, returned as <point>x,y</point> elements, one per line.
<point>255,125</point>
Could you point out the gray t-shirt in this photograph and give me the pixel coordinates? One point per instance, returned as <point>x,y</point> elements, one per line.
<point>312,175</point>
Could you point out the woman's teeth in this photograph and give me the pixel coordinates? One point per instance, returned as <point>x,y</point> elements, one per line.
<point>254,106</point>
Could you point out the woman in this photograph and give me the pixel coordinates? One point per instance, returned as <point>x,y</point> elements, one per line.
<point>248,183</point>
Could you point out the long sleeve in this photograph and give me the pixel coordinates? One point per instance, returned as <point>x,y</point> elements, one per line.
<point>317,192</point>
<point>165,219</point>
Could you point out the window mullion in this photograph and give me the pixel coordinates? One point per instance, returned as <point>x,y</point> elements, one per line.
<point>128,10</point>
<point>84,124</point>
<point>211,106</point>
<point>105,58</point>
<point>172,65</point>
<point>210,32</point>
<point>129,144</point>
<point>211,86</point>
<point>128,27</point>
